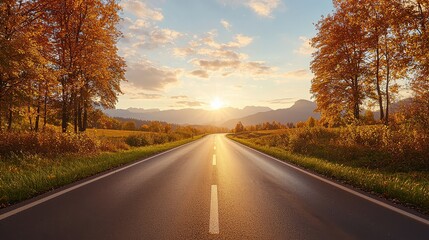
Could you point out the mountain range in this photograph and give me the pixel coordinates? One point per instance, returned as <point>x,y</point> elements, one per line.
<point>225,117</point>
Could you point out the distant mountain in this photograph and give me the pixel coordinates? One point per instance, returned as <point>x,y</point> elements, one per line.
<point>300,111</point>
<point>142,110</point>
<point>187,116</point>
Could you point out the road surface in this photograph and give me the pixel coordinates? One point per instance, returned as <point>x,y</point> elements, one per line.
<point>212,188</point>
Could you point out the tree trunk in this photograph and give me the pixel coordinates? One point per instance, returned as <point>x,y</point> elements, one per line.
<point>377,78</point>
<point>45,110</point>
<point>36,124</point>
<point>386,117</point>
<point>85,116</point>
<point>9,121</point>
<point>30,119</point>
<point>79,116</point>
<point>356,110</point>
<point>64,118</point>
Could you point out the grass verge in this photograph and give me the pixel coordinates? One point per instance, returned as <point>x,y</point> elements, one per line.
<point>404,188</point>
<point>25,177</point>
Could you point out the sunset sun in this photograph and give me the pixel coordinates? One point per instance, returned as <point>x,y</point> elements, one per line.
<point>216,103</point>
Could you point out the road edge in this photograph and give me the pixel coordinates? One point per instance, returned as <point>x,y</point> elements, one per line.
<point>29,203</point>
<point>342,187</point>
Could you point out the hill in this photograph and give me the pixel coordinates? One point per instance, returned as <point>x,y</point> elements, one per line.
<point>300,111</point>
<point>188,115</point>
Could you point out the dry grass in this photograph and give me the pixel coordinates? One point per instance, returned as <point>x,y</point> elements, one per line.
<point>391,162</point>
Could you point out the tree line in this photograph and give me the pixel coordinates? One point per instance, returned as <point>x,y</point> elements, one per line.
<point>58,60</point>
<point>366,52</point>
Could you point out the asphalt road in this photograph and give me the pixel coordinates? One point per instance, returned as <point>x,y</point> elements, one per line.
<point>213,188</point>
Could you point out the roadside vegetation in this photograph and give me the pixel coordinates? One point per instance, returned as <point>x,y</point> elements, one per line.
<point>392,162</point>
<point>32,163</point>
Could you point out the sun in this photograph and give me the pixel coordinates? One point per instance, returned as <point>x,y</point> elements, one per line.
<point>216,103</point>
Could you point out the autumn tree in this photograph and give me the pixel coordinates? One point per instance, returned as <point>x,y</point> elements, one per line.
<point>339,65</point>
<point>363,49</point>
<point>84,35</point>
<point>311,122</point>
<point>22,64</point>
<point>239,127</point>
<point>386,25</point>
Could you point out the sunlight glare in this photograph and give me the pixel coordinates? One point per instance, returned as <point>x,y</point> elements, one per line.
<point>216,103</point>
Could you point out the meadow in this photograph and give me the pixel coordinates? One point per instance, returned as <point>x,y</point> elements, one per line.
<point>33,163</point>
<point>392,163</point>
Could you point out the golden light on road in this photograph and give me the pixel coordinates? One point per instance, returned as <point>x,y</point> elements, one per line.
<point>216,103</point>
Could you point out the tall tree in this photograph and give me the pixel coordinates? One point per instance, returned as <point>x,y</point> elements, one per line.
<point>85,36</point>
<point>339,64</point>
<point>21,60</point>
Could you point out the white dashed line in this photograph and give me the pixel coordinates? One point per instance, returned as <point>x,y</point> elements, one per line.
<point>214,215</point>
<point>214,160</point>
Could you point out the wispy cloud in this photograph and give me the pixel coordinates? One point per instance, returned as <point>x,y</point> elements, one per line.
<point>143,95</point>
<point>191,103</point>
<point>200,73</point>
<point>305,47</point>
<point>263,8</point>
<point>226,24</point>
<point>143,30</point>
<point>142,10</point>
<point>297,74</point>
<point>179,97</point>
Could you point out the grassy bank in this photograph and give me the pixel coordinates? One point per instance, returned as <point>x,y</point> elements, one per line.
<point>409,187</point>
<point>23,177</point>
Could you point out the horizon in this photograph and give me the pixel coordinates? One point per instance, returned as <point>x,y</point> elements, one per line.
<point>149,110</point>
<point>257,50</point>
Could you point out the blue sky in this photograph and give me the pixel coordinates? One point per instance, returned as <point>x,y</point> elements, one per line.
<point>192,53</point>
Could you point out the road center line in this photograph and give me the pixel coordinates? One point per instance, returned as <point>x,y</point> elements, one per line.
<point>214,160</point>
<point>214,148</point>
<point>214,214</point>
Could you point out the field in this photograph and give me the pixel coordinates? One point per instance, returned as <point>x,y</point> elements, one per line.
<point>397,169</point>
<point>34,163</point>
<point>111,133</point>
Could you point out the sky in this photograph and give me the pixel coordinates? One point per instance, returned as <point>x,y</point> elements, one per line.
<point>217,53</point>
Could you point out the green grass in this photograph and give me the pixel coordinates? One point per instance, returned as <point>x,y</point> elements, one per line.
<point>25,177</point>
<point>409,188</point>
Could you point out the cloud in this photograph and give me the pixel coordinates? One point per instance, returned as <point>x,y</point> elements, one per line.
<point>147,76</point>
<point>179,97</point>
<point>305,47</point>
<point>215,65</point>
<point>207,46</point>
<point>191,103</point>
<point>239,41</point>
<point>141,10</point>
<point>200,73</point>
<point>281,101</point>
<point>301,73</point>
<point>224,58</point>
<point>142,95</point>
<point>226,24</point>
<point>155,37</point>
<point>143,32</point>
<point>263,8</point>
<point>183,52</point>
<point>258,68</point>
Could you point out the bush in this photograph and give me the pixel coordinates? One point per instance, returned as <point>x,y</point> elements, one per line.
<point>49,143</point>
